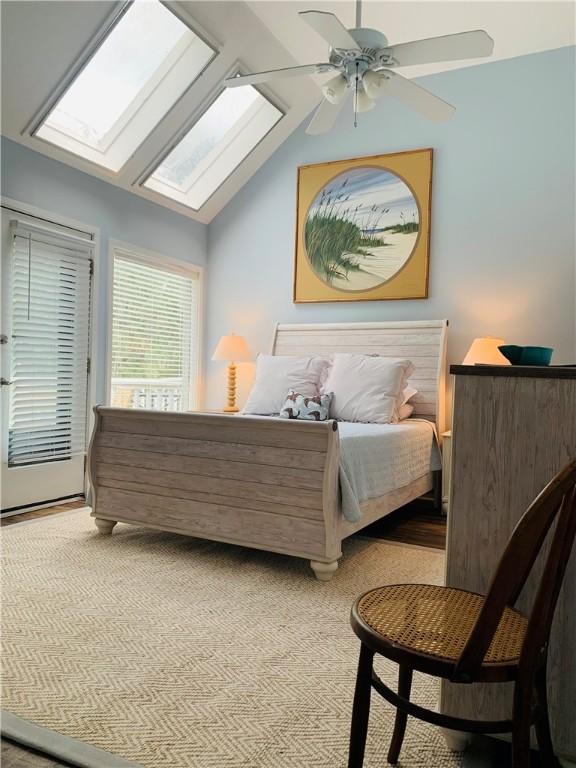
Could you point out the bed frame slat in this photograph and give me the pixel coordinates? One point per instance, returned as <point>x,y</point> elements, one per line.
<point>238,489</point>
<point>230,470</point>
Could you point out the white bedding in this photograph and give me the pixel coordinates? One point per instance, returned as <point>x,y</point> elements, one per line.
<point>378,458</point>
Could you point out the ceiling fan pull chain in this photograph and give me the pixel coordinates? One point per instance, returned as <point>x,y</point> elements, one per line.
<point>358,14</point>
<point>356,99</point>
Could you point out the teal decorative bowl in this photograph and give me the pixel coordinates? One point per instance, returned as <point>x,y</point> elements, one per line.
<point>526,355</point>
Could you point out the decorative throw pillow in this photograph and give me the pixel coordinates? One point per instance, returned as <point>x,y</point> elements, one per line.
<point>298,406</point>
<point>367,389</point>
<point>276,375</point>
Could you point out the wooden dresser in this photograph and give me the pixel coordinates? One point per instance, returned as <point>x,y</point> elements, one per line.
<point>513,429</point>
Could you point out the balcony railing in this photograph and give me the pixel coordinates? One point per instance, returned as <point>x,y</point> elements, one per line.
<point>155,394</point>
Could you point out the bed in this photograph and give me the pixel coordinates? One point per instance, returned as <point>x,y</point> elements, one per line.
<point>264,482</point>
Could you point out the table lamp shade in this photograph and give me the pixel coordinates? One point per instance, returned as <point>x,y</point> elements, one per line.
<point>485,350</point>
<point>232,348</point>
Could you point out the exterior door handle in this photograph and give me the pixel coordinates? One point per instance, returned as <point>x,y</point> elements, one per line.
<point>5,383</point>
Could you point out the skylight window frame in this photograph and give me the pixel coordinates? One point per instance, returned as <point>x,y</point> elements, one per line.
<point>121,124</point>
<point>236,69</point>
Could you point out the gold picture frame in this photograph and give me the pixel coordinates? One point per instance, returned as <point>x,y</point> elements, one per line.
<point>363,228</point>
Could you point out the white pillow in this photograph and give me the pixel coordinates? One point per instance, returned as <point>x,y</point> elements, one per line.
<point>401,413</point>
<point>367,389</point>
<point>276,376</point>
<point>405,411</point>
<point>407,394</point>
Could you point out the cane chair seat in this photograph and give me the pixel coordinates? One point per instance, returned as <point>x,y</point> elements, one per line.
<point>436,622</point>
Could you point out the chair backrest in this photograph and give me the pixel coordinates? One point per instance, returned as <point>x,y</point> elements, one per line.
<point>557,500</point>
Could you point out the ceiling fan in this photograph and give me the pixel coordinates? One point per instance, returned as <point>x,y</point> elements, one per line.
<point>365,65</point>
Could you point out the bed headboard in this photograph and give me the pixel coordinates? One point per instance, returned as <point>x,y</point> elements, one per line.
<point>421,341</point>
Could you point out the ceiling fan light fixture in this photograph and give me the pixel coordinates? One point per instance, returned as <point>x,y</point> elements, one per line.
<point>335,89</point>
<point>373,84</point>
<point>363,102</point>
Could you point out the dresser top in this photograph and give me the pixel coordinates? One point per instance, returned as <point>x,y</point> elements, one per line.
<point>516,371</point>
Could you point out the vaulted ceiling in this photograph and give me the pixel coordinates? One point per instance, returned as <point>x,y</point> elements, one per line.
<point>42,40</point>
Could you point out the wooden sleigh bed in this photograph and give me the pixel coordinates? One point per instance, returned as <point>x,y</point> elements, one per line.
<point>258,482</point>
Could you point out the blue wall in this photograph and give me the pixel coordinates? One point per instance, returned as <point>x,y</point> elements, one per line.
<point>31,178</point>
<point>502,237</point>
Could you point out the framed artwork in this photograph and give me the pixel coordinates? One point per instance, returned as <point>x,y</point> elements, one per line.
<point>363,228</point>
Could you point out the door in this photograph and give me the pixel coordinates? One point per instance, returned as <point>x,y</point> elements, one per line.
<point>46,289</point>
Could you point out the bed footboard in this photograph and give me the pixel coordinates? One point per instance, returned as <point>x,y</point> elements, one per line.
<point>264,483</point>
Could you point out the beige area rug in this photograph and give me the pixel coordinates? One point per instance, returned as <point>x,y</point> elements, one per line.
<point>171,651</point>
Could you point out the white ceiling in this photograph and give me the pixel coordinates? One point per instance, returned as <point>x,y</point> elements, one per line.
<point>518,27</point>
<point>41,39</point>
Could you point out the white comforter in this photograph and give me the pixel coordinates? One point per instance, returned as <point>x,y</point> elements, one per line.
<point>377,458</point>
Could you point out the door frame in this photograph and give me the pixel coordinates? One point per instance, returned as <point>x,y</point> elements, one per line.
<point>154,258</point>
<point>35,212</point>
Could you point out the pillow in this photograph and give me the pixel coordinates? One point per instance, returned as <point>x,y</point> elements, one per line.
<point>402,403</point>
<point>276,375</point>
<point>405,411</point>
<point>365,388</point>
<point>407,394</point>
<point>298,406</point>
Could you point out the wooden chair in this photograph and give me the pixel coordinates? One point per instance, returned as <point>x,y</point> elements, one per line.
<point>465,637</point>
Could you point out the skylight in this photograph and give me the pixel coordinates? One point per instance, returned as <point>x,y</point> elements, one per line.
<point>143,66</point>
<point>215,145</point>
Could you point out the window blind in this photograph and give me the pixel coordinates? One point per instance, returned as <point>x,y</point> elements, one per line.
<point>49,314</point>
<point>154,335</point>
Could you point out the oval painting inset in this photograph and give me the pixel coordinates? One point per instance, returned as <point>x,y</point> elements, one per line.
<point>361,229</point>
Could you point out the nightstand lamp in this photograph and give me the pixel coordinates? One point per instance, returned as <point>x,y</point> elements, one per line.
<point>485,351</point>
<point>233,349</point>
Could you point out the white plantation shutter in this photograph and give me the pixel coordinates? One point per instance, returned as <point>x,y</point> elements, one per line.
<point>50,311</point>
<point>154,334</point>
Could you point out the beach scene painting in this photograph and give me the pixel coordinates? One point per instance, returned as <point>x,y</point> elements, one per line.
<point>361,229</point>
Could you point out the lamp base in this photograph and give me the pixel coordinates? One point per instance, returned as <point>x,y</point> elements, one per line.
<point>231,407</point>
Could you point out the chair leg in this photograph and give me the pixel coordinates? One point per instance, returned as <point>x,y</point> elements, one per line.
<point>404,687</point>
<point>521,717</point>
<point>361,708</point>
<point>542,722</point>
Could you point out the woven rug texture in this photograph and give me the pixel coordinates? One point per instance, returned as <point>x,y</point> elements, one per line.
<point>181,653</point>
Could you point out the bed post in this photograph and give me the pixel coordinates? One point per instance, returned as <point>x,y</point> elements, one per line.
<point>324,570</point>
<point>105,527</point>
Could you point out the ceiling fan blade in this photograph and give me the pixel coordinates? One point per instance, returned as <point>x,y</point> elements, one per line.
<point>464,45</point>
<point>330,28</point>
<point>325,117</point>
<point>418,98</point>
<point>275,74</point>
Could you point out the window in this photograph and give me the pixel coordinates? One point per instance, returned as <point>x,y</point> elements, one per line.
<point>155,310</point>
<point>215,145</point>
<point>139,71</point>
<point>49,318</point>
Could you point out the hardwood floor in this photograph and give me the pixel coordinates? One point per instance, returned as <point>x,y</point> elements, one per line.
<point>416,523</point>
<point>15,756</point>
<point>34,515</point>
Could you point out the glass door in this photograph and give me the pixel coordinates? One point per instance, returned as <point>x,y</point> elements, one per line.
<point>46,289</point>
